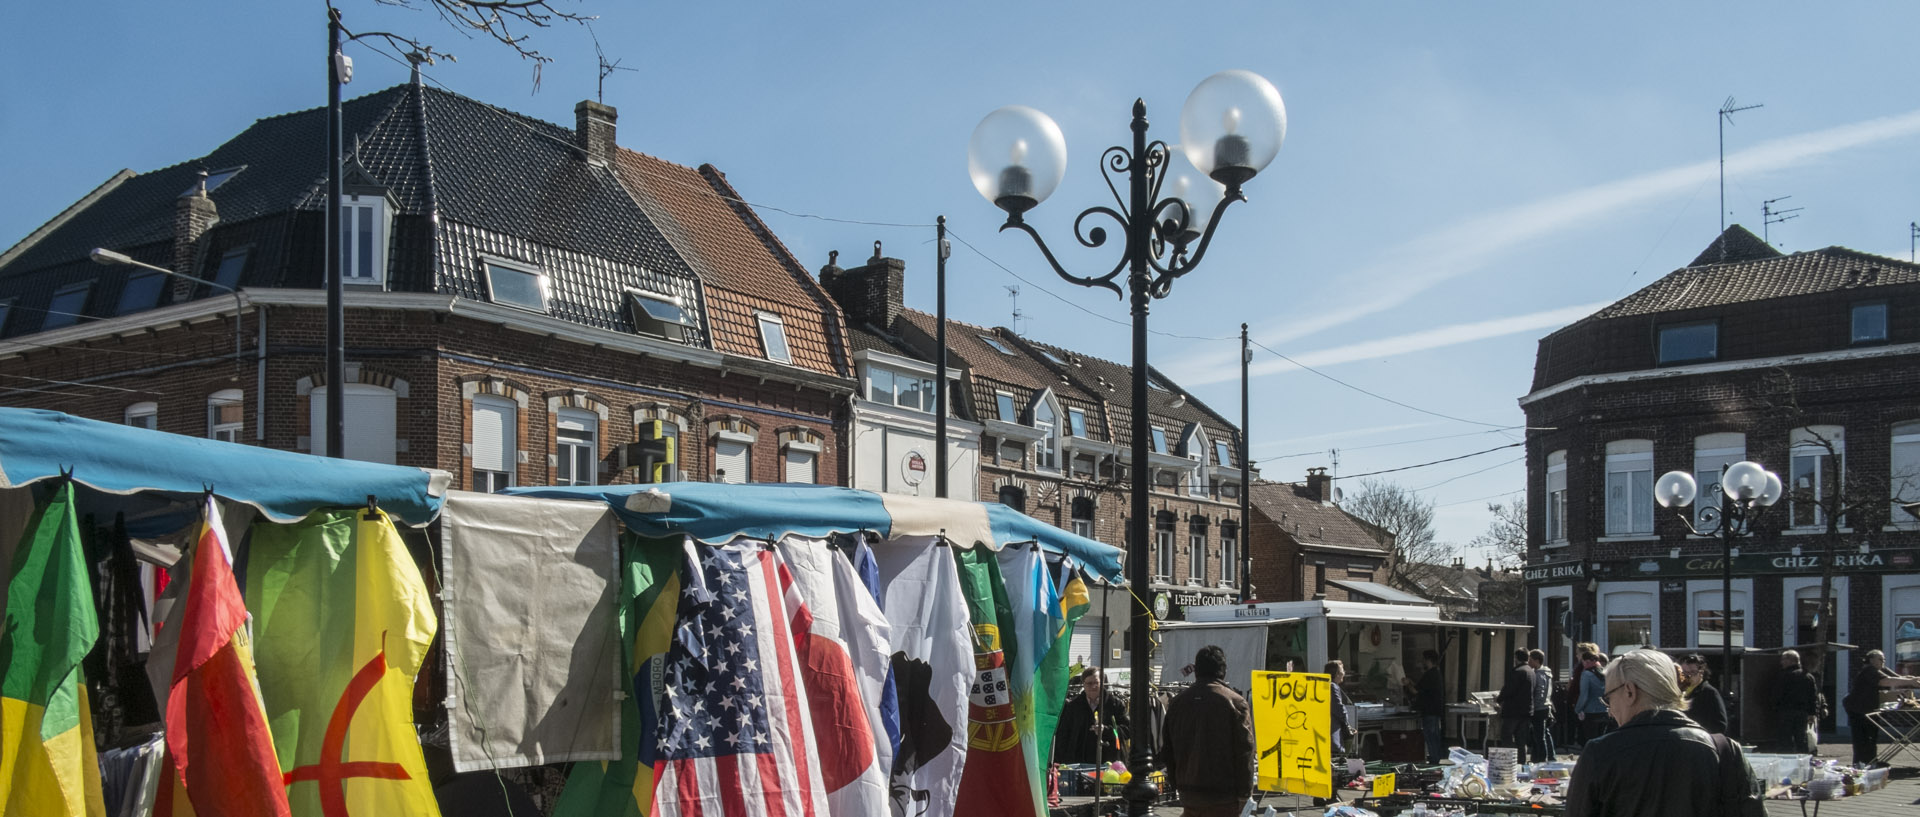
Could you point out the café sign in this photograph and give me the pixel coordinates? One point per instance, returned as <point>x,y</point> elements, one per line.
<point>1763,563</point>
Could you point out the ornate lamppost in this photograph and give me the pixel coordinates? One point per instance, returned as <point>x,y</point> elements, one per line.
<point>1746,490</point>
<point>1230,129</point>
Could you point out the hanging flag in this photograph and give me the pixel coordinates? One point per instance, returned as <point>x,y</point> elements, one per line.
<point>47,762</point>
<point>869,571</point>
<point>844,659</point>
<point>997,780</point>
<point>218,747</point>
<point>650,588</point>
<point>932,670</point>
<point>1034,600</point>
<point>343,622</point>
<point>1050,689</point>
<point>734,735</point>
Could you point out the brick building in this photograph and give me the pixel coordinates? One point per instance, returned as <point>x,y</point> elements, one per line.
<point>1306,548</point>
<point>1047,431</point>
<point>1808,364</point>
<point>519,297</point>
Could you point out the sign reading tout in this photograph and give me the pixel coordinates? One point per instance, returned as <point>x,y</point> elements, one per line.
<point>1292,717</point>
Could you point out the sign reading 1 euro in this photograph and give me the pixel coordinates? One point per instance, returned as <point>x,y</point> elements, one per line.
<point>1292,716</point>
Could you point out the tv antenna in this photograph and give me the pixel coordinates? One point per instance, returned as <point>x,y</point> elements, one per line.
<point>606,68</point>
<point>1913,237</point>
<point>1725,118</point>
<point>1014,293</point>
<point>1770,216</point>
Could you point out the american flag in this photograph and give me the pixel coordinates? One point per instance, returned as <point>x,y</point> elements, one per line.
<point>734,738</point>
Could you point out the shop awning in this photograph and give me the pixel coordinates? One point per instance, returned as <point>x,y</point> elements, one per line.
<point>717,512</point>
<point>1380,591</point>
<point>147,466</point>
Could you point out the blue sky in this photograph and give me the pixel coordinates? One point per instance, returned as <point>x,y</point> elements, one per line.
<point>1457,180</point>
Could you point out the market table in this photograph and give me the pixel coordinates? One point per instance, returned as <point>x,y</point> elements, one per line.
<point>1902,730</point>
<point>1403,804</point>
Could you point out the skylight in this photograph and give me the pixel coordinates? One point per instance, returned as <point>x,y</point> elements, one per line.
<point>67,305</point>
<point>141,292</point>
<point>997,345</point>
<point>1053,357</point>
<point>658,315</point>
<point>773,337</point>
<point>214,179</point>
<point>515,286</point>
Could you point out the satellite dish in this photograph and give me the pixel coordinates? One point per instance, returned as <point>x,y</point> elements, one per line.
<point>1339,494</point>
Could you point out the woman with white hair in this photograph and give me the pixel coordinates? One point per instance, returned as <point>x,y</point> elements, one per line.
<point>1658,762</point>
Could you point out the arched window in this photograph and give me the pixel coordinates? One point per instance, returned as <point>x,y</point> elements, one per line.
<point>144,415</point>
<point>576,447</point>
<point>1046,450</point>
<point>1014,497</point>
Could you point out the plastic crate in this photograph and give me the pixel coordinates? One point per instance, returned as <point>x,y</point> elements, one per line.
<point>1797,769</point>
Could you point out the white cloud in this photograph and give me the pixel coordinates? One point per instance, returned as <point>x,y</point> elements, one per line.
<point>1423,340</point>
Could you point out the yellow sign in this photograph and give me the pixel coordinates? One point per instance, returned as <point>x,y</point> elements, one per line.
<point>1383,785</point>
<point>1292,722</point>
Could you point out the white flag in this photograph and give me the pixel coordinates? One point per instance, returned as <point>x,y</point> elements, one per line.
<point>932,664</point>
<point>847,658</point>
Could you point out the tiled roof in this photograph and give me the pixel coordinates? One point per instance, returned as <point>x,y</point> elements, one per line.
<point>744,266</point>
<point>1735,244</point>
<point>1115,381</point>
<point>1306,519</point>
<point>1761,277</point>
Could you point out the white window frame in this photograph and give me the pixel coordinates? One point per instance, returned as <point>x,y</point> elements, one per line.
<point>745,443</point>
<point>488,480</point>
<point>1615,593</point>
<point>1626,458</point>
<point>1806,444</point>
<point>381,223</point>
<point>1711,454</point>
<point>1903,477</point>
<point>568,450</point>
<point>1081,526</point>
<point>1077,422</point>
<point>1004,405</point>
<point>1046,449</point>
<point>808,452</point>
<point>359,445</point>
<point>1555,518</point>
<point>148,411</point>
<point>233,430</point>
<point>1163,549</point>
<point>1703,595</point>
<point>1891,588</point>
<point>541,283</point>
<point>771,328</point>
<point>1229,553</point>
<point>1196,554</point>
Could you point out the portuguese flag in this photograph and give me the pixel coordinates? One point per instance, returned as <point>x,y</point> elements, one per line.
<point>650,597</point>
<point>995,780</point>
<point>47,763</point>
<point>342,625</point>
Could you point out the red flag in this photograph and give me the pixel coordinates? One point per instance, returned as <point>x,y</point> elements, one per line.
<point>218,745</point>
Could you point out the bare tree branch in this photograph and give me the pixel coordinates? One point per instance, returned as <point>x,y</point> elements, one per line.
<point>1506,536</point>
<point>1408,521</point>
<point>508,22</point>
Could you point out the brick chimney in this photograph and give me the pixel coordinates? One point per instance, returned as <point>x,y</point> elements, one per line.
<point>593,130</point>
<point>193,213</point>
<point>873,293</point>
<point>1319,485</point>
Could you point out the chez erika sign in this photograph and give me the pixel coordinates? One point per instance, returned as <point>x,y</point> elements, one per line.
<point>1746,564</point>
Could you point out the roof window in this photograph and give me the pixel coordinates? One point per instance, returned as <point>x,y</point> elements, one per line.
<point>773,337</point>
<point>516,285</point>
<point>997,345</point>
<point>214,179</point>
<point>141,292</point>
<point>68,306</point>
<point>659,315</point>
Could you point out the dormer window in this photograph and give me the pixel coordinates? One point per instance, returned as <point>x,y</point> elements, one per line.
<point>68,306</point>
<point>141,292</point>
<point>516,284</point>
<point>1046,450</point>
<point>773,337</point>
<point>1870,322</point>
<point>227,275</point>
<point>1689,342</point>
<point>658,315</point>
<point>364,223</point>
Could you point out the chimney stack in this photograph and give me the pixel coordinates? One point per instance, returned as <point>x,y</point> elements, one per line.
<point>193,213</point>
<point>873,293</point>
<point>1319,486</point>
<point>593,130</point>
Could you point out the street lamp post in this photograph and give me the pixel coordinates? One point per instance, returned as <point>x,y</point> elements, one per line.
<point>1746,490</point>
<point>1231,127</point>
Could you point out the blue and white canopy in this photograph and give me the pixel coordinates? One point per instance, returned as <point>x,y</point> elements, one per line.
<point>715,512</point>
<point>146,466</point>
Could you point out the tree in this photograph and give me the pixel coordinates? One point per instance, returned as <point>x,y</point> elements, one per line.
<point>1407,521</point>
<point>507,22</point>
<point>1506,536</point>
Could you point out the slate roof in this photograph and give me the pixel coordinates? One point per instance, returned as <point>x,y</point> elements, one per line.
<point>1307,520</point>
<point>1760,273</point>
<point>467,179</point>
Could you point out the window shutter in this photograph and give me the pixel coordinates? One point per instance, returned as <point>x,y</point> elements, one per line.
<point>493,431</point>
<point>1080,648</point>
<point>370,424</point>
<point>799,466</point>
<point>731,462</point>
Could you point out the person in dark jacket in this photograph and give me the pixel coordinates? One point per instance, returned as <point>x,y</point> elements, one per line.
<point>1704,703</point>
<point>1093,722</point>
<point>1516,705</point>
<point>1863,696</point>
<point>1540,740</point>
<point>1206,741</point>
<point>1341,730</point>
<point>1658,763</point>
<point>1430,703</point>
<point>1795,700</point>
<point>1591,707</point>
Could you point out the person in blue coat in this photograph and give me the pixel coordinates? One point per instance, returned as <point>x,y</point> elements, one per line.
<point>1591,709</point>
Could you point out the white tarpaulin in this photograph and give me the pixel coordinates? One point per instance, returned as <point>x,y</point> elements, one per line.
<point>532,650</point>
<point>1244,644</point>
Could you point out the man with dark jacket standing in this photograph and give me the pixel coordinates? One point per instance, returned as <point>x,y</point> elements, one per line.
<point>1795,700</point>
<point>1430,703</point>
<point>1206,742</point>
<point>1704,704</point>
<point>1516,705</point>
<point>1092,720</point>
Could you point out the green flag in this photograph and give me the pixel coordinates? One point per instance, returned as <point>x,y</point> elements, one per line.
<point>995,780</point>
<point>1050,689</point>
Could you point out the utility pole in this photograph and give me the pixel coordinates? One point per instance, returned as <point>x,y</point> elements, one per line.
<point>331,241</point>
<point>940,354</point>
<point>1246,481</point>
